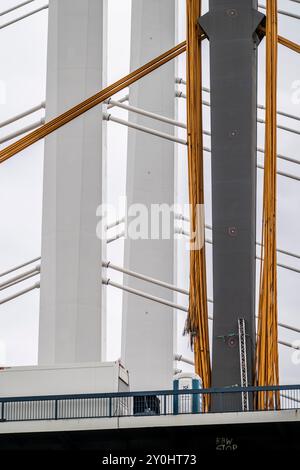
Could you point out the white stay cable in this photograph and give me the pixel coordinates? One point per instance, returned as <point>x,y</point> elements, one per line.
<point>16,7</point>
<point>23,17</point>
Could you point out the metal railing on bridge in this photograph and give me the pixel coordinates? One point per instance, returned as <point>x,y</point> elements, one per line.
<point>150,403</point>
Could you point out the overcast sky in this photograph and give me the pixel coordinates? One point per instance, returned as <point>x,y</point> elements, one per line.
<point>23,54</point>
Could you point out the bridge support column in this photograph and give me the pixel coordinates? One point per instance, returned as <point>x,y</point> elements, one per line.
<point>147,336</point>
<point>72,320</point>
<point>231,27</point>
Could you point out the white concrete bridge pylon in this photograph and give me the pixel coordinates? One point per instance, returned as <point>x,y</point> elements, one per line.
<point>72,317</point>
<point>147,334</point>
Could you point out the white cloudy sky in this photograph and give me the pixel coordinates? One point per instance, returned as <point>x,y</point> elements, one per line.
<point>23,53</point>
